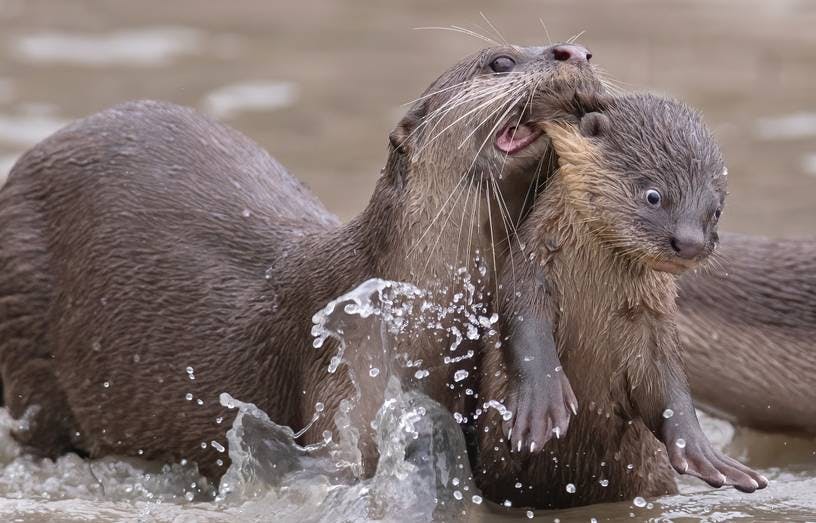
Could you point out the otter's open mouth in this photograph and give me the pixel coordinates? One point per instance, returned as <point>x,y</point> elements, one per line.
<point>513,138</point>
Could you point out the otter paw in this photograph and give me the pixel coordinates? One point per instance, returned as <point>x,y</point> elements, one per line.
<point>698,458</point>
<point>541,410</point>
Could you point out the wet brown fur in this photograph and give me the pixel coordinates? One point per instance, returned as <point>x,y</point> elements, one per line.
<point>591,279</point>
<point>148,238</point>
<point>748,328</point>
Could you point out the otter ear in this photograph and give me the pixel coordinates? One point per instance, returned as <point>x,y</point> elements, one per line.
<point>594,124</point>
<point>402,134</point>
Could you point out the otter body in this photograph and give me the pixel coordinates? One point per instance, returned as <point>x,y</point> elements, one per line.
<point>151,259</point>
<point>637,197</point>
<point>748,329</point>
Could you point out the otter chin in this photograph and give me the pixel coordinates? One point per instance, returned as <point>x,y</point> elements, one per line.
<point>672,266</point>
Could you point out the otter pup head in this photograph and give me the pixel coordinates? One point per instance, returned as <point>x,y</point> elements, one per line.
<point>647,177</point>
<point>477,117</point>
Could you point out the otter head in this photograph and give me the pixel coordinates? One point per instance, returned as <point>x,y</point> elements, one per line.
<point>648,178</point>
<point>470,140</point>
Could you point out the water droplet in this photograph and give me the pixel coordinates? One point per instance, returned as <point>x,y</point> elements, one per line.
<point>477,499</point>
<point>189,396</point>
<point>106,384</point>
<point>681,443</point>
<point>319,407</point>
<point>570,488</point>
<point>639,502</point>
<point>245,213</point>
<point>327,436</point>
<point>219,419</point>
<point>189,496</point>
<point>530,514</point>
<point>668,413</point>
<point>189,370</point>
<point>203,444</point>
<point>96,346</point>
<point>518,485</point>
<point>217,446</point>
<point>458,417</point>
<point>629,466</point>
<point>374,372</point>
<point>604,482</point>
<point>459,375</point>
<point>421,374</point>
<point>507,503</point>
<point>457,494</point>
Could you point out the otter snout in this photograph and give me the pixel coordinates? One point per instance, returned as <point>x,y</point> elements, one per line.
<point>571,53</point>
<point>688,242</point>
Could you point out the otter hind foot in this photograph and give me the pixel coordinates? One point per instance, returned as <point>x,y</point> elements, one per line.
<point>695,456</point>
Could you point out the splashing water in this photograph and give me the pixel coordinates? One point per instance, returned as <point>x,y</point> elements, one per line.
<point>422,474</point>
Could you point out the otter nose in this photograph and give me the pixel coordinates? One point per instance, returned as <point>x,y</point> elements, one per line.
<point>571,53</point>
<point>688,242</point>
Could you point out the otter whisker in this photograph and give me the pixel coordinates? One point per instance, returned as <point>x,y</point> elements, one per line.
<point>457,29</point>
<point>439,213</point>
<point>508,226</point>
<point>492,239</point>
<point>513,102</point>
<point>546,32</point>
<point>464,214</point>
<point>501,36</point>
<point>572,39</point>
<point>438,91</point>
<point>468,113</point>
<point>479,125</point>
<point>444,223</point>
<point>477,208</point>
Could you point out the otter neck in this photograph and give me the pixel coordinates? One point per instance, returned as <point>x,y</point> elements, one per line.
<point>437,222</point>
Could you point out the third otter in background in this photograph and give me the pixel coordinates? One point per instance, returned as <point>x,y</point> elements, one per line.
<point>748,328</point>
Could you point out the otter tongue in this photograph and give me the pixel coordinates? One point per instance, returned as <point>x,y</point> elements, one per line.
<point>512,139</point>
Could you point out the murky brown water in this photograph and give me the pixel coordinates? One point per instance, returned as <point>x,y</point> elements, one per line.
<point>319,84</point>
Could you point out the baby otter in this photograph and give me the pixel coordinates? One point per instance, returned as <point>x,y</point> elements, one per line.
<point>636,201</point>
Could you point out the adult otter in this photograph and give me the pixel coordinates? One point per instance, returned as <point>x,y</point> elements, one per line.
<point>748,325</point>
<point>151,258</point>
<point>636,200</point>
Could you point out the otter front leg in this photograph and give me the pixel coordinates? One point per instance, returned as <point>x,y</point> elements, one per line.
<point>670,415</point>
<point>539,394</point>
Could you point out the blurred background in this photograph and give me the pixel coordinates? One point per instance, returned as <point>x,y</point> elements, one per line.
<point>320,84</point>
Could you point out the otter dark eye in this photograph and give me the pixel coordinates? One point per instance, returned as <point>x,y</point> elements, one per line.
<point>503,64</point>
<point>717,214</point>
<point>653,197</point>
